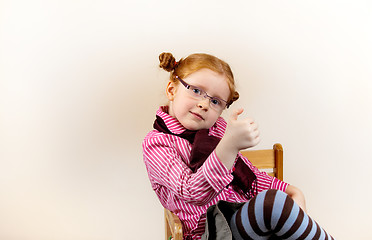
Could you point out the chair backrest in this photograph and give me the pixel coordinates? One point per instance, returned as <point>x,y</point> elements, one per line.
<point>267,160</point>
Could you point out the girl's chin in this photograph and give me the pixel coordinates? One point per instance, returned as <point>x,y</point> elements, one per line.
<point>194,126</point>
<point>191,127</point>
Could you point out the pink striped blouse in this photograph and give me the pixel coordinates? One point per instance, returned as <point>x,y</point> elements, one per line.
<point>189,194</point>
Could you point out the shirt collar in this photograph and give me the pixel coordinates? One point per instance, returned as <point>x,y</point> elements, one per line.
<point>172,123</point>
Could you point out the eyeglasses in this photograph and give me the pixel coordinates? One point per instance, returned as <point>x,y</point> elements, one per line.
<point>198,93</point>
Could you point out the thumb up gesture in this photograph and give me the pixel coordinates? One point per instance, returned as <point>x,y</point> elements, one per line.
<point>241,133</point>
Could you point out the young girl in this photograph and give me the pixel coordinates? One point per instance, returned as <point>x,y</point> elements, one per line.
<point>193,161</point>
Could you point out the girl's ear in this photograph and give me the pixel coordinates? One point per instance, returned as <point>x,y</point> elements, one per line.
<point>171,90</point>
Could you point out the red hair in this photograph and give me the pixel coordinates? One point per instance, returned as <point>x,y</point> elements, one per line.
<point>195,62</point>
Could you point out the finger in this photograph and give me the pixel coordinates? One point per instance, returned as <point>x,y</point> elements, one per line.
<point>254,126</point>
<point>236,113</point>
<point>256,141</point>
<point>255,134</point>
<point>255,138</point>
<point>252,134</point>
<point>250,120</point>
<point>251,124</point>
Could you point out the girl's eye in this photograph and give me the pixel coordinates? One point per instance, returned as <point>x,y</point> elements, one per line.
<point>215,101</point>
<point>196,91</point>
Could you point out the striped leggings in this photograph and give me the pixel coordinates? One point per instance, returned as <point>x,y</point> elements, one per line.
<point>272,214</point>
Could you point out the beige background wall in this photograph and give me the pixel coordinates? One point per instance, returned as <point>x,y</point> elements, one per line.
<point>79,86</point>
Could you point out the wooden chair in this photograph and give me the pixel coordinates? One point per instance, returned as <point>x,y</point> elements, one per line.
<point>267,160</point>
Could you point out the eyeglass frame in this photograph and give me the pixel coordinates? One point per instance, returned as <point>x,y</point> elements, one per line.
<point>187,86</point>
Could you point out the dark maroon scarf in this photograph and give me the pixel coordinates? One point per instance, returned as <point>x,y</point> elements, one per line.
<point>202,146</point>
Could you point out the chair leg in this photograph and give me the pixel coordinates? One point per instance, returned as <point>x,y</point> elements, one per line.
<point>168,232</point>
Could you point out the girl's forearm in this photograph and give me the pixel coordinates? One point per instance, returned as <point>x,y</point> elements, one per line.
<point>226,153</point>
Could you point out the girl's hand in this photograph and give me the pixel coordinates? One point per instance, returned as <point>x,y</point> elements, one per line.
<point>239,134</point>
<point>242,133</point>
<point>297,195</point>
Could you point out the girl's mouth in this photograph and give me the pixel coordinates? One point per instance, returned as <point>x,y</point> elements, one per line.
<point>197,115</point>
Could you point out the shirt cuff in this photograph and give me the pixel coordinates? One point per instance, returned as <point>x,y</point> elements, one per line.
<point>216,173</point>
<point>279,185</point>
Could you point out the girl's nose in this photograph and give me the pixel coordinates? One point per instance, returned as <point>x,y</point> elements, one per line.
<point>203,103</point>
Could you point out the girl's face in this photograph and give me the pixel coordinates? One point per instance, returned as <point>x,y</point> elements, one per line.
<point>193,113</point>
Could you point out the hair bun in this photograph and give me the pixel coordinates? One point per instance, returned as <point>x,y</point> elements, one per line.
<point>167,61</point>
<point>235,96</point>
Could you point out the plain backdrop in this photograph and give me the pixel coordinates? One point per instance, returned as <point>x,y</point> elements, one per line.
<point>80,85</point>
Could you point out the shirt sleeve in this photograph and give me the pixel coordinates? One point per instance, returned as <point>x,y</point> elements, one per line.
<point>166,169</point>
